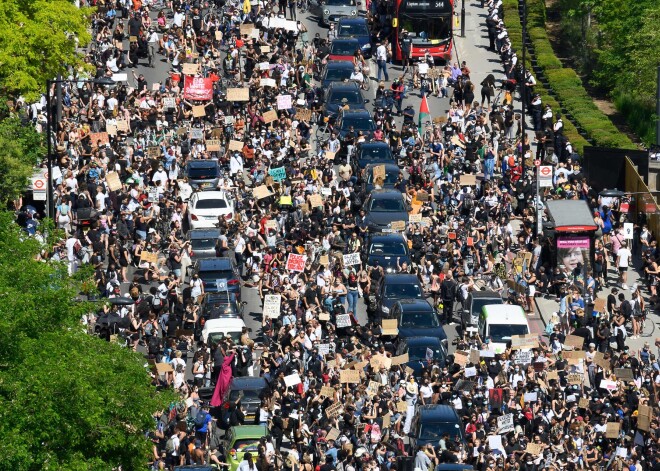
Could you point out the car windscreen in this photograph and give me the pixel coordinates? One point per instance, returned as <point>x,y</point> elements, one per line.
<point>245,445</point>
<point>418,319</point>
<point>390,178</point>
<point>217,337</point>
<point>339,3</point>
<point>352,96</point>
<point>213,275</point>
<point>217,310</point>
<point>434,431</point>
<point>338,75</point>
<point>211,204</point>
<point>343,48</point>
<point>419,352</point>
<point>247,394</point>
<point>202,244</point>
<point>501,333</point>
<point>203,172</point>
<point>353,29</point>
<point>402,291</point>
<point>478,303</point>
<point>376,153</point>
<point>359,124</point>
<point>392,248</point>
<point>386,205</point>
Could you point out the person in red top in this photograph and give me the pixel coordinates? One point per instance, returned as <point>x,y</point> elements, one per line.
<point>397,94</point>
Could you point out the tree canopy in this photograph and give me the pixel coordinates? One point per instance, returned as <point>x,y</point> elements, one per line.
<point>38,40</point>
<point>68,400</point>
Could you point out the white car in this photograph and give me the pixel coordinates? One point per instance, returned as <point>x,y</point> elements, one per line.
<point>216,330</point>
<point>205,207</point>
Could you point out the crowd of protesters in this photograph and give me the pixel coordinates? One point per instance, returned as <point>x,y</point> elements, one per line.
<point>469,234</point>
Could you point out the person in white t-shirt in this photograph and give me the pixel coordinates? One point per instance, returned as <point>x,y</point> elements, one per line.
<point>623,258</point>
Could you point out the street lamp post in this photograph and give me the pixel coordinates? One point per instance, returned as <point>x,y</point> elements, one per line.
<point>463,18</point>
<point>523,89</point>
<point>51,125</point>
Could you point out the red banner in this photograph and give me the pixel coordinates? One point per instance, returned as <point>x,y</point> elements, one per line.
<point>197,88</point>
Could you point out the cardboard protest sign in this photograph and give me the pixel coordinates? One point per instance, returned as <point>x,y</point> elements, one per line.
<point>379,171</point>
<point>461,358</point>
<point>261,191</point>
<point>327,391</point>
<point>246,29</point>
<point>575,378</point>
<point>422,196</point>
<point>380,361</point>
<point>552,375</point>
<point>387,420</point>
<point>624,374</point>
<point>583,402</point>
<point>349,376</point>
<point>519,342</point>
<point>303,114</point>
<point>213,145</point>
<point>574,341</point>
<point>401,406</point>
<point>199,111</point>
<point>600,305</point>
<point>163,368</point>
<point>111,129</point>
<point>190,69</point>
<point>612,430</point>
<point>373,388</point>
<point>113,182</point>
<point>534,449</point>
<point>265,49</point>
<point>333,434</point>
<point>351,259</point>
<point>468,180</point>
<point>235,145</point>
<point>272,305</point>
<point>324,260</point>
<point>315,201</point>
<point>398,225</point>
<point>296,262</point>
<point>270,116</point>
<point>415,218</point>
<point>122,125</point>
<point>334,410</point>
<point>474,356</point>
<point>600,360</point>
<point>400,359</point>
<point>390,327</point>
<point>238,94</point>
<point>149,257</point>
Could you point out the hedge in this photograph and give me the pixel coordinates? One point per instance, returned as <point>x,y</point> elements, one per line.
<point>565,83</point>
<point>514,27</point>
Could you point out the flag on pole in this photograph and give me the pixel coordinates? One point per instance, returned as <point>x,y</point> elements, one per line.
<point>424,112</point>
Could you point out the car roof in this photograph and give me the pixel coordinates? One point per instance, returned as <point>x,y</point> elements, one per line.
<point>410,304</point>
<point>400,278</point>
<point>437,412</point>
<point>363,113</point>
<point>249,431</point>
<point>388,167</point>
<point>486,294</point>
<point>386,193</point>
<point>343,85</point>
<point>340,65</point>
<point>373,144</point>
<point>347,40</point>
<point>230,324</point>
<point>249,382</point>
<point>213,263</point>
<point>417,341</point>
<point>203,233</point>
<point>348,19</point>
<point>505,314</point>
<point>210,195</point>
<point>223,297</point>
<point>385,237</point>
<point>202,163</point>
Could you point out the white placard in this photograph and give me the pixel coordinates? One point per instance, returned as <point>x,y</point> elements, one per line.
<point>284,102</point>
<point>495,443</point>
<point>524,357</point>
<point>607,384</point>
<point>531,397</point>
<point>267,82</point>
<point>423,68</point>
<point>351,259</point>
<point>264,66</point>
<point>272,304</point>
<point>323,348</point>
<point>292,380</point>
<point>628,230</point>
<point>505,423</point>
<point>343,320</point>
<point>120,77</point>
<point>470,372</point>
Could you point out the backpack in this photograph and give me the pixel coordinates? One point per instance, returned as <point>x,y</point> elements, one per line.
<point>169,446</point>
<point>179,367</point>
<point>200,419</point>
<point>468,201</point>
<point>156,302</point>
<point>154,345</point>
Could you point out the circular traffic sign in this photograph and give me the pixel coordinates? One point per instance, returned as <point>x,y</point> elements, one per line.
<point>545,171</point>
<point>39,184</point>
<point>537,163</point>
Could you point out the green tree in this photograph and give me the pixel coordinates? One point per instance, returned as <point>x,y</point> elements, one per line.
<point>20,150</point>
<point>68,400</point>
<point>38,40</point>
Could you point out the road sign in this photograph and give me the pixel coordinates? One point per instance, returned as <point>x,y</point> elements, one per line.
<point>537,163</point>
<point>545,176</point>
<point>39,182</point>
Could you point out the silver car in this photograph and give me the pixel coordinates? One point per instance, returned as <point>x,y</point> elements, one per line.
<point>332,10</point>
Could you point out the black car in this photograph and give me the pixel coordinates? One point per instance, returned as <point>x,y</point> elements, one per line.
<point>416,317</point>
<point>376,152</point>
<point>340,94</point>
<point>473,304</point>
<point>203,243</point>
<point>383,207</point>
<point>218,275</point>
<point>367,185</point>
<point>386,249</point>
<point>431,422</point>
<point>221,304</point>
<point>358,28</point>
<point>422,352</point>
<point>202,174</point>
<point>251,390</point>
<point>336,71</point>
<point>393,287</point>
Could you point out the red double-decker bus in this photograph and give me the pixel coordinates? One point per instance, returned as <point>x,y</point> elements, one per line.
<point>429,25</point>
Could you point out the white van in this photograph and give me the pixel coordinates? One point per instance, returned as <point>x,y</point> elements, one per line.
<point>501,321</point>
<point>217,329</point>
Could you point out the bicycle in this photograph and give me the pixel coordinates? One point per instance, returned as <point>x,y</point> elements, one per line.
<point>647,326</point>
<point>323,133</point>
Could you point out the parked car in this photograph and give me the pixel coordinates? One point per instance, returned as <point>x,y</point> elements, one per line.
<point>385,250</point>
<point>205,207</point>
<point>358,28</point>
<point>202,174</point>
<point>431,422</point>
<point>216,330</point>
<point>383,207</point>
<point>422,351</point>
<point>203,243</point>
<point>250,390</point>
<point>343,49</point>
<point>218,274</point>
<point>336,71</point>
<point>339,94</point>
<point>416,317</point>
<point>475,301</point>
<point>391,288</point>
<point>243,439</point>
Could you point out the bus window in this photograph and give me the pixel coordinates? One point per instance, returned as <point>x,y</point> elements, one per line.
<point>426,31</point>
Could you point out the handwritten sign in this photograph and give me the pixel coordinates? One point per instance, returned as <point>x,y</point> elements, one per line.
<point>168,102</point>
<point>534,449</point>
<point>379,171</point>
<point>390,327</point>
<point>327,391</point>
<point>505,423</point>
<point>292,380</point>
<point>400,359</point>
<point>270,116</point>
<point>113,182</point>
<point>574,341</point>
<point>343,320</point>
<point>267,82</point>
<point>612,430</point>
<point>349,376</point>
<point>303,114</point>
<point>296,262</point>
<point>351,259</point>
<point>283,102</point>
<point>334,410</point>
<point>398,226</point>
<point>199,111</point>
<point>149,257</point>
<point>278,173</point>
<point>190,69</point>
<point>111,129</point>
<point>415,218</point>
<point>574,378</point>
<point>213,145</point>
<point>261,192</point>
<point>272,305</point>
<point>315,201</point>
<point>238,94</point>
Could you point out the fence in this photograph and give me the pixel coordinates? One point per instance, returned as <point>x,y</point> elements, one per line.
<point>643,201</point>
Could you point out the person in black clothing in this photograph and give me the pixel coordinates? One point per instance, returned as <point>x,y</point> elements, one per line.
<point>448,293</point>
